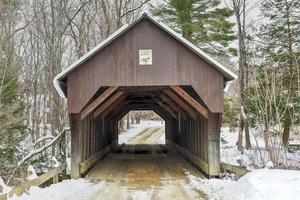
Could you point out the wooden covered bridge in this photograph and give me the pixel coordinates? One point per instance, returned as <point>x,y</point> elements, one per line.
<point>145,66</point>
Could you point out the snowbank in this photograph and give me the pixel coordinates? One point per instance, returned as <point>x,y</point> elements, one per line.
<point>68,189</point>
<point>262,184</point>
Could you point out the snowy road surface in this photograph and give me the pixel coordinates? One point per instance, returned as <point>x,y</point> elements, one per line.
<point>144,176</point>
<point>138,133</point>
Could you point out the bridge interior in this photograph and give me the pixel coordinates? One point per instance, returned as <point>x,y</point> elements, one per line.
<point>187,126</point>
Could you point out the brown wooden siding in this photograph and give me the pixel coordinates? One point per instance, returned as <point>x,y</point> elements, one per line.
<point>117,65</point>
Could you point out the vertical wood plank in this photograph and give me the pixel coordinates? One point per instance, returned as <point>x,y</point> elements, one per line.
<point>76,145</point>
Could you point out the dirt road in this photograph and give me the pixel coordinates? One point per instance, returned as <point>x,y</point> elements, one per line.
<point>148,136</point>
<point>144,172</point>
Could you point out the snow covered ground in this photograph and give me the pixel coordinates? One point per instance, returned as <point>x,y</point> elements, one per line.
<point>135,129</point>
<point>250,158</point>
<point>265,184</point>
<point>69,189</point>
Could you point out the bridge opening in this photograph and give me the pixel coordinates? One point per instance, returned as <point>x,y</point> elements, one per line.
<point>141,127</point>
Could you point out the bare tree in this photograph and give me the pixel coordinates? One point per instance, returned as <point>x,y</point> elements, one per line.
<point>240,8</point>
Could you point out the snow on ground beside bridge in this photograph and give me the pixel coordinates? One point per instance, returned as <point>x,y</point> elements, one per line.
<point>68,189</point>
<point>135,129</point>
<point>249,158</point>
<point>265,184</point>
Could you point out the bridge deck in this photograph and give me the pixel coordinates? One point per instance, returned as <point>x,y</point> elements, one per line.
<point>149,168</point>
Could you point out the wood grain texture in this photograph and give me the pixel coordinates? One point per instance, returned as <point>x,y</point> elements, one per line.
<point>168,109</point>
<point>190,100</point>
<point>86,111</point>
<point>108,103</point>
<point>118,65</point>
<point>173,105</point>
<point>180,102</point>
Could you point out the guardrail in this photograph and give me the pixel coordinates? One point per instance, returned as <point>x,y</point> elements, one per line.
<point>24,186</point>
<point>237,170</point>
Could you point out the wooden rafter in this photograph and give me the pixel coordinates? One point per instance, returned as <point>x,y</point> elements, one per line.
<point>116,109</point>
<point>85,112</point>
<point>158,110</point>
<point>119,115</point>
<point>190,100</point>
<point>108,103</point>
<point>168,109</point>
<point>115,104</point>
<point>180,102</point>
<point>173,105</point>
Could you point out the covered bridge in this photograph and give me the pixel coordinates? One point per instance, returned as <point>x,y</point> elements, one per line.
<point>145,66</point>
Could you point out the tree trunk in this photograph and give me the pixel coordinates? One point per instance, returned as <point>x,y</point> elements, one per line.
<point>128,121</point>
<point>240,137</point>
<point>247,135</point>
<point>121,126</point>
<point>138,119</point>
<point>286,131</point>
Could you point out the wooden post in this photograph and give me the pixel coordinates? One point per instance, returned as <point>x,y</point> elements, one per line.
<point>213,131</point>
<point>55,179</point>
<point>76,144</point>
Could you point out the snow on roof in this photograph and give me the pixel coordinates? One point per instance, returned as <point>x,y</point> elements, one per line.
<point>59,78</point>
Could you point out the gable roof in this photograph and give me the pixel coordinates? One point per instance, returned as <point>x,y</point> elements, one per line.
<point>60,86</point>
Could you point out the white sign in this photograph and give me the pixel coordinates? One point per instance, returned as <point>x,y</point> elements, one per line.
<point>145,56</point>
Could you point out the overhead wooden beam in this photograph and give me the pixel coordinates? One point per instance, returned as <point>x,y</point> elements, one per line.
<point>180,102</point>
<point>118,116</point>
<point>158,110</point>
<point>85,112</point>
<point>173,105</point>
<point>117,109</point>
<point>108,103</point>
<point>168,109</point>
<point>113,106</point>
<point>190,100</point>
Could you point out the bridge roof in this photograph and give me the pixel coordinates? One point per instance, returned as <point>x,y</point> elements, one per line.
<point>61,77</point>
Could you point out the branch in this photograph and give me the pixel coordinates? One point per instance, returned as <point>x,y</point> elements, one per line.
<point>42,139</point>
<point>134,9</point>
<point>76,13</point>
<point>35,152</point>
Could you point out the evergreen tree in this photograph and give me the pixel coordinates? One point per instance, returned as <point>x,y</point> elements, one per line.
<point>201,22</point>
<point>12,127</point>
<point>280,38</point>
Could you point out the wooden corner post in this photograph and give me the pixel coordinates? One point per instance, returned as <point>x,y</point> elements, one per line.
<point>76,144</point>
<point>213,131</point>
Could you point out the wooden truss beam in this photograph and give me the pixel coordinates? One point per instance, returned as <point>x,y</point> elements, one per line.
<point>115,104</point>
<point>158,110</point>
<point>108,103</point>
<point>180,102</point>
<point>168,109</point>
<point>117,109</point>
<point>173,105</point>
<point>86,111</point>
<point>190,100</point>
